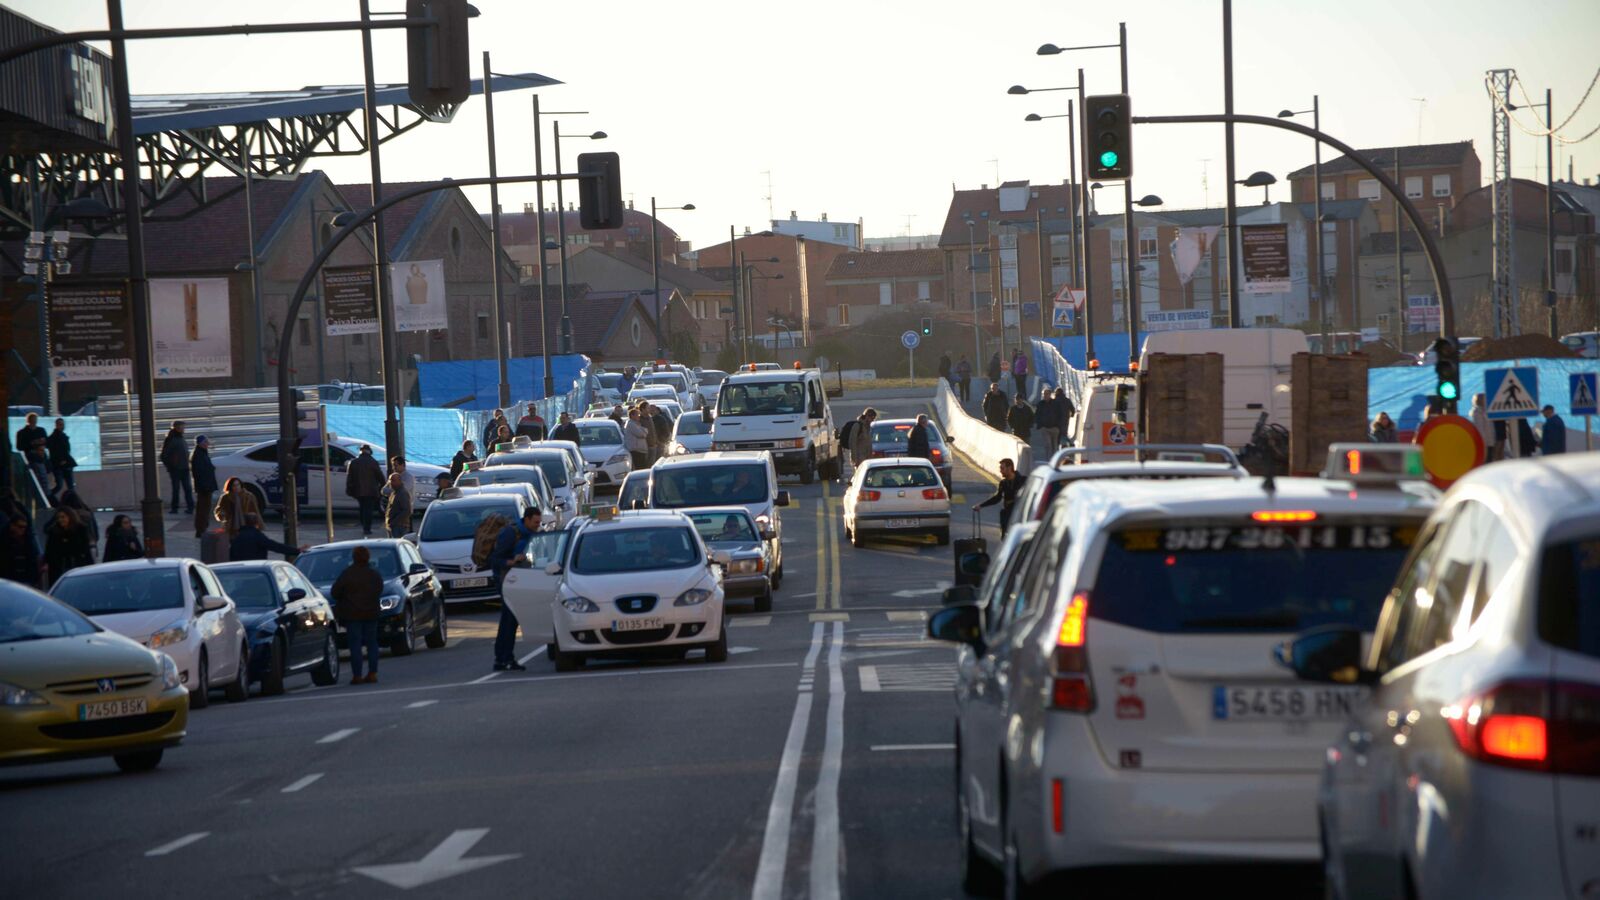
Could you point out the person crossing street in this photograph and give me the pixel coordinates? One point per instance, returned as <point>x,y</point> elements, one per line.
<point>1005,493</point>
<point>511,543</point>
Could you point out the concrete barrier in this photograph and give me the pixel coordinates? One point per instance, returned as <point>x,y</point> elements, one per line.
<point>983,446</point>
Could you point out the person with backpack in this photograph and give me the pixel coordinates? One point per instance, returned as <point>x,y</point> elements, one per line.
<point>511,543</point>
<point>856,438</point>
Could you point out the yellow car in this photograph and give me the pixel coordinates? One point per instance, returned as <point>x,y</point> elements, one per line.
<point>70,689</point>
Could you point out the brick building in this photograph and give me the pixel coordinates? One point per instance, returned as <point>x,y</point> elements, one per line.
<point>608,269</point>
<point>859,285</point>
<point>797,295</point>
<point>519,236</point>
<point>1434,177</point>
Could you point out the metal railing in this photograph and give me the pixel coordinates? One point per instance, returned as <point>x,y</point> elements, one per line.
<point>231,420</point>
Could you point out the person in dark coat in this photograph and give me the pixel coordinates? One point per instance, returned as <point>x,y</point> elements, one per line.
<point>175,456</point>
<point>1020,418</point>
<point>251,543</point>
<point>31,443</point>
<point>944,368</point>
<point>458,463</point>
<point>364,482</point>
<point>491,432</point>
<point>509,544</point>
<point>69,500</point>
<point>994,368</point>
<point>964,378</point>
<point>1005,493</point>
<point>66,544</point>
<point>122,541</point>
<point>566,431</point>
<point>355,595</point>
<point>59,448</point>
<point>397,511</point>
<point>994,407</point>
<point>1553,439</point>
<point>917,443</point>
<point>19,553</point>
<point>661,426</point>
<point>1047,418</point>
<point>204,473</point>
<point>1526,442</point>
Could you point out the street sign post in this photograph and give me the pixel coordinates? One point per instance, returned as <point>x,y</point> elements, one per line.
<point>1513,393</point>
<point>1451,447</point>
<point>910,340</point>
<point>1583,395</point>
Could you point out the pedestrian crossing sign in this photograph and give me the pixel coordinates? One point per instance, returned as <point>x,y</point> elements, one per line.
<point>1513,393</point>
<point>1061,316</point>
<point>1583,394</point>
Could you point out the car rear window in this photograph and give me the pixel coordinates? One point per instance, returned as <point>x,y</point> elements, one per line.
<point>250,588</point>
<point>1242,578</point>
<point>1569,596</point>
<point>900,435</point>
<point>325,566</point>
<point>718,485</point>
<point>106,593</point>
<point>457,522</point>
<point>899,477</point>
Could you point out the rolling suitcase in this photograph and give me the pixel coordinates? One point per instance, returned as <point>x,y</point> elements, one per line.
<point>976,552</point>
<point>214,545</point>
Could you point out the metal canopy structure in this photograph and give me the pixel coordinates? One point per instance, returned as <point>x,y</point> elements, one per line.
<point>181,136</point>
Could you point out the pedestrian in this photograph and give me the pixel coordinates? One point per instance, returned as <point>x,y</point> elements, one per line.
<point>122,540</point>
<point>511,543</point>
<point>204,473</point>
<point>355,596</point>
<point>1005,493</point>
<point>1047,418</point>
<point>945,367</point>
<point>70,501</point>
<point>1486,429</point>
<point>636,438</point>
<point>491,431</point>
<point>175,456</point>
<point>441,483</point>
<point>66,544</point>
<point>530,426</point>
<point>1553,438</point>
<point>458,463</point>
<point>652,433</point>
<point>964,378</point>
<point>918,446</point>
<point>625,383</point>
<point>618,416</point>
<point>31,443</point>
<point>397,514</point>
<point>1019,372</point>
<point>857,438</point>
<point>1020,418</point>
<point>994,368</point>
<point>1068,413</point>
<point>1382,430</point>
<point>235,505</point>
<point>58,446</point>
<point>566,431</point>
<point>19,553</point>
<point>994,407</point>
<point>1526,443</point>
<point>251,543</point>
<point>363,481</point>
<point>397,466</point>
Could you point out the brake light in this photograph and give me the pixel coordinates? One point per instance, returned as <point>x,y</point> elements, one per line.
<point>934,494</point>
<point>868,496</point>
<point>938,455</point>
<point>1070,688</point>
<point>1547,726</point>
<point>1515,737</point>
<point>1057,813</point>
<point>1072,624</point>
<point>1284,515</point>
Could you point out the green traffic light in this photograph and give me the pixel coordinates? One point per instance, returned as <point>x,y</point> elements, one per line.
<point>1109,159</point>
<point>1448,390</point>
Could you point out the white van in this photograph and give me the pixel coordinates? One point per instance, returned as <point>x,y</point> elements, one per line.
<point>1108,416</point>
<point>783,412</point>
<point>1255,371</point>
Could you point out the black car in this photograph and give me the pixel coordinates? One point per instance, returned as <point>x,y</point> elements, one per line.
<point>412,603</point>
<point>288,621</point>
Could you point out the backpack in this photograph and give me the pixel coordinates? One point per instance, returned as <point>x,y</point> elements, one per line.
<point>483,539</point>
<point>845,431</point>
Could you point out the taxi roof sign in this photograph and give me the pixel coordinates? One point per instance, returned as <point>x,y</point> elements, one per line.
<point>1375,463</point>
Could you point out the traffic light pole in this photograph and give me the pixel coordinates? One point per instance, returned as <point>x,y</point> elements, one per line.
<point>394,439</point>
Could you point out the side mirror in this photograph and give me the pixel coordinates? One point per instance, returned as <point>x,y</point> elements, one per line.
<point>782,499</point>
<point>971,567</point>
<point>1331,654</point>
<point>296,594</point>
<point>958,625</point>
<point>722,558</point>
<point>410,538</point>
<point>211,603</point>
<point>767,534</point>
<point>961,593</point>
<point>418,569</point>
<point>553,569</point>
<point>561,504</point>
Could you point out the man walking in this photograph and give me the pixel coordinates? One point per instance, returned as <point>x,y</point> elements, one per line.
<point>1047,418</point>
<point>994,407</point>
<point>364,481</point>
<point>397,514</point>
<point>204,473</point>
<point>566,431</point>
<point>944,367</point>
<point>1553,439</point>
<point>1020,418</point>
<point>31,444</point>
<point>856,437</point>
<point>59,448</point>
<point>175,456</point>
<point>918,446</point>
<point>964,378</point>
<point>1005,494</point>
<point>510,544</point>
<point>994,368</point>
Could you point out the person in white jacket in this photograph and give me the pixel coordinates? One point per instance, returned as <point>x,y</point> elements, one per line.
<point>635,437</point>
<point>1480,420</point>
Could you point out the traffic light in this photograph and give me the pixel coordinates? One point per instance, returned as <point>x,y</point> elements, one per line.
<point>1447,370</point>
<point>439,71</point>
<point>600,191</point>
<point>927,326</point>
<point>1108,145</point>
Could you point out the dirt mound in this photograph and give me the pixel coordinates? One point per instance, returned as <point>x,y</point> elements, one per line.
<point>1522,346</point>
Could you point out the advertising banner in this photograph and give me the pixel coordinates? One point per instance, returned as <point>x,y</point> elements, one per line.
<point>1264,250</point>
<point>1423,314</point>
<point>191,326</point>
<point>91,333</point>
<point>1177,320</point>
<point>351,300</point>
<point>418,288</point>
<point>1191,247</point>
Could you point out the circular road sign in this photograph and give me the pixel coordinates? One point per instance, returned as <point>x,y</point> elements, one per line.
<point>910,340</point>
<point>1451,447</point>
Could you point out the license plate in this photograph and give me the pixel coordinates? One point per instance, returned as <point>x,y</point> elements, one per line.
<point>903,523</point>
<point>111,709</point>
<point>1233,703</point>
<point>635,624</point>
<point>470,582</point>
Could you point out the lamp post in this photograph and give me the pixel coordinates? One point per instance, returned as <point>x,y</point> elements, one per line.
<point>1263,180</point>
<point>1316,196</point>
<point>1130,270</point>
<point>1549,209</point>
<point>655,274</point>
<point>972,282</point>
<point>561,230</point>
<point>1080,250</point>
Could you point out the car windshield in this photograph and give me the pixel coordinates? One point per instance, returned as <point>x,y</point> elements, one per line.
<point>693,425</point>
<point>26,616</point>
<point>1569,595</point>
<point>106,593</point>
<point>593,434</point>
<point>724,527</point>
<point>898,435</point>
<point>250,588</point>
<point>675,486</point>
<point>711,376</point>
<point>1233,578</point>
<point>770,398</point>
<point>900,477</point>
<point>636,487</point>
<point>635,550</point>
<point>672,380</point>
<point>324,566</point>
<point>459,521</point>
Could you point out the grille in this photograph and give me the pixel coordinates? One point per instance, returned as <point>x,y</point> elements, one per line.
<point>446,569</point>
<point>638,603</point>
<point>92,685</point>
<point>104,728</point>
<point>648,636</point>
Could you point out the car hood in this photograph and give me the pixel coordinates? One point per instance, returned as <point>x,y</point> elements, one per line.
<point>600,453</point>
<point>446,551</point>
<point>35,664</point>
<point>667,584</point>
<point>737,548</point>
<point>140,625</point>
<point>254,618</point>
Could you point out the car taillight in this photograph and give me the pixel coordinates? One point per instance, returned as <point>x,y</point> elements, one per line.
<point>1070,688</point>
<point>1547,726</point>
<point>868,496</point>
<point>935,494</point>
<point>937,454</point>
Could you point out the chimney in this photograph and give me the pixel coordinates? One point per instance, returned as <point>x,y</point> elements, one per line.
<point>794,216</point>
<point>983,187</point>
<point>824,217</point>
<point>527,208</point>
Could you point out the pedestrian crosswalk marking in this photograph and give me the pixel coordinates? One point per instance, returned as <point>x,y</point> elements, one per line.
<point>914,615</point>
<point>830,617</point>
<point>749,622</point>
<point>906,678</point>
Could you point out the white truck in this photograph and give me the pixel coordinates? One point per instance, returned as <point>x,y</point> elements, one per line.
<point>784,412</point>
<point>1255,371</point>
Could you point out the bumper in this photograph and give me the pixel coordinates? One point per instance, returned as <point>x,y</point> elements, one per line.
<point>609,476</point>
<point>477,594</point>
<point>752,585</point>
<point>679,626</point>
<point>896,523</point>
<point>53,732</point>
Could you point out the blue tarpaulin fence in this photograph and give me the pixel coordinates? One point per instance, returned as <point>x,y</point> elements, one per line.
<point>1402,391</point>
<point>1110,348</point>
<point>442,383</point>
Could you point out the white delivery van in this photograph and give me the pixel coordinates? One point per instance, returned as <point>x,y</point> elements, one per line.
<point>1255,371</point>
<point>1108,414</point>
<point>784,412</point>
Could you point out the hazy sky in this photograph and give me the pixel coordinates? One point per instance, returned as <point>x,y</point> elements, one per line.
<point>872,109</point>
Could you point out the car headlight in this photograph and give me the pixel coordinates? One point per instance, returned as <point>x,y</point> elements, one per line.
<point>389,601</point>
<point>722,445</point>
<point>620,456</point>
<point>169,673</point>
<point>795,444</point>
<point>175,633</point>
<point>748,566</point>
<point>11,695</point>
<point>692,597</point>
<point>577,604</point>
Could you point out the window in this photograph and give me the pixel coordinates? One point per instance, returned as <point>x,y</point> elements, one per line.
<point>1569,594</point>
<point>1147,243</point>
<point>1563,261</point>
<point>635,333</point>
<point>1368,189</point>
<point>527,271</point>
<point>1441,185</point>
<point>885,294</point>
<point>923,291</point>
<point>455,242</point>
<point>844,314</point>
<point>1118,250</point>
<point>483,326</point>
<point>303,330</point>
<point>1499,555</point>
<point>196,586</point>
<point>1330,190</point>
<point>1413,186</point>
<point>1389,639</point>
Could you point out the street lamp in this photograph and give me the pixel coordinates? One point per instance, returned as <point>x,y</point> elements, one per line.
<point>1316,197</point>
<point>1263,180</point>
<point>1549,207</point>
<point>655,274</point>
<point>561,230</point>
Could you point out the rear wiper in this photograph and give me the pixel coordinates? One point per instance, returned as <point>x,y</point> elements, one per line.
<point>1269,620</point>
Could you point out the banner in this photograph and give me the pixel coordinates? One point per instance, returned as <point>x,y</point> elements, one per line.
<point>418,289</point>
<point>1177,320</point>
<point>1423,314</point>
<point>91,335</point>
<point>350,299</point>
<point>1190,248</point>
<point>191,327</point>
<point>1264,250</point>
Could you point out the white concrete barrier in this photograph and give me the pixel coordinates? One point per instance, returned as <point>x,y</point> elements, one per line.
<point>983,446</point>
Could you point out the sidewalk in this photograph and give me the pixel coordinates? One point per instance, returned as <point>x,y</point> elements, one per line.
<point>181,541</point>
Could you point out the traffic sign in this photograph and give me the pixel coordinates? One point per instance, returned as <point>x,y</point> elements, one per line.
<point>1061,316</point>
<point>1116,434</point>
<point>1451,447</point>
<point>1583,394</point>
<point>1513,393</point>
<point>910,340</point>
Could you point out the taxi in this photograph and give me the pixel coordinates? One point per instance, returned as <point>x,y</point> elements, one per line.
<point>1124,706</point>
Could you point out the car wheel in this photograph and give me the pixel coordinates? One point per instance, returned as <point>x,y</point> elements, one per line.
<point>272,680</point>
<point>942,536</point>
<point>406,640</point>
<point>777,576</point>
<point>139,761</point>
<point>764,600</point>
<point>809,473</point>
<point>328,671</point>
<point>717,651</point>
<point>238,690</point>
<point>440,635</point>
<point>200,694</point>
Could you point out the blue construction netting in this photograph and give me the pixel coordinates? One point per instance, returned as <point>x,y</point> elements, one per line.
<point>1402,391</point>
<point>474,384</point>
<point>82,431</point>
<point>432,435</point>
<point>1111,349</point>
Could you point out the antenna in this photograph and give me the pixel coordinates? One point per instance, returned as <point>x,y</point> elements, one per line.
<point>768,198</point>
<point>1205,178</point>
<point>909,217</point>
<point>1421,103</point>
<point>996,172</point>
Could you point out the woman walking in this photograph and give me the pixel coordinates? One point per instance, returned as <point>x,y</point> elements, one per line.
<point>66,544</point>
<point>122,541</point>
<point>355,596</point>
<point>236,504</point>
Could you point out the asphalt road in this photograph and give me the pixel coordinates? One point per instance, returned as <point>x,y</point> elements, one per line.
<point>815,762</point>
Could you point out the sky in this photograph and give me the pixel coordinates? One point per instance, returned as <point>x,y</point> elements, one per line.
<point>874,109</point>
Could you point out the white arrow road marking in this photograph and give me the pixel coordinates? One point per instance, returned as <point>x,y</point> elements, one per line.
<point>303,783</point>
<point>178,844</point>
<point>337,736</point>
<point>443,861</point>
<point>909,593</point>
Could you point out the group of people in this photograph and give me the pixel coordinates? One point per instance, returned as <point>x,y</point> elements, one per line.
<point>1502,438</point>
<point>1052,416</point>
<point>646,432</point>
<point>48,455</point>
<point>855,440</point>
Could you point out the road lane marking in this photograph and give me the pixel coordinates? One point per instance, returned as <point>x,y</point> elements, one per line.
<point>749,621</point>
<point>498,672</point>
<point>911,616</point>
<point>303,783</point>
<point>542,648</point>
<point>337,736</point>
<point>909,677</point>
<point>443,861</point>
<point>420,704</point>
<point>178,844</point>
<point>869,679</point>
<point>816,647</point>
<point>897,747</point>
<point>775,840</point>
<point>822,558</point>
<point>830,617</point>
<point>825,827</point>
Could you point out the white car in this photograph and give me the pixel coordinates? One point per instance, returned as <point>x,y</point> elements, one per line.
<point>601,446</point>
<point>176,606</point>
<point>637,584</point>
<point>569,484</point>
<point>709,383</point>
<point>446,538</point>
<point>1474,769</point>
<point>257,467</point>
<point>478,478</point>
<point>680,384</point>
<point>896,495</point>
<point>690,434</point>
<point>652,392</point>
<point>725,479</point>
